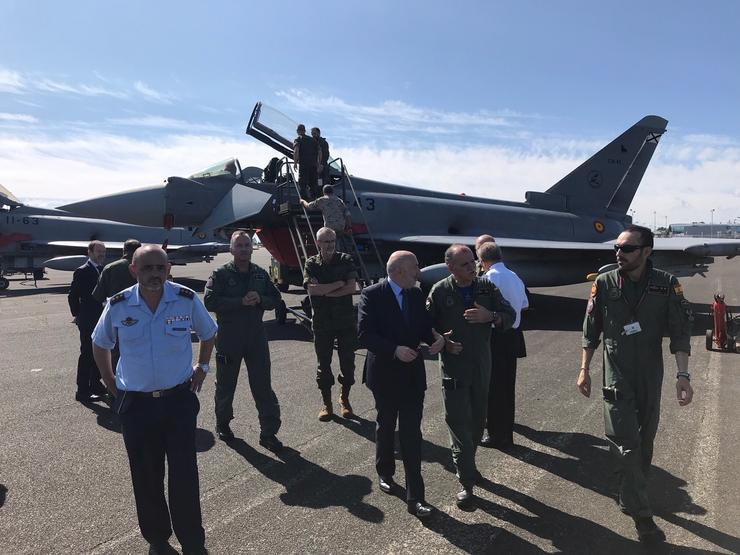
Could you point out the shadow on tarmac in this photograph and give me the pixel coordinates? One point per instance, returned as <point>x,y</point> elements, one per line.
<point>106,418</point>
<point>667,492</point>
<point>3,493</point>
<point>29,289</point>
<point>310,485</point>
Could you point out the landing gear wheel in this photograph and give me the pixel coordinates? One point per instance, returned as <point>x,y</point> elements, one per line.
<point>709,340</point>
<point>281,313</point>
<point>4,283</point>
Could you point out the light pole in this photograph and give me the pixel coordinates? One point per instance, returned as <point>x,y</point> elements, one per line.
<point>711,224</point>
<point>655,221</point>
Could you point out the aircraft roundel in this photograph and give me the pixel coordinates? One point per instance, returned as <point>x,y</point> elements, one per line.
<point>599,226</point>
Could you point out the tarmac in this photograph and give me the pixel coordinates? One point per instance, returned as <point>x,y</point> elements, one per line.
<point>65,485</point>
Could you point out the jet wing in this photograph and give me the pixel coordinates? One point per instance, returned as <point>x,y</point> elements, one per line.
<point>197,249</point>
<point>690,245</point>
<point>8,198</point>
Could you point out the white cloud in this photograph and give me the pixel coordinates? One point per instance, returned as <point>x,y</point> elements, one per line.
<point>151,94</point>
<point>54,86</point>
<point>11,81</point>
<point>395,111</point>
<point>684,181</point>
<point>160,122</point>
<point>19,118</point>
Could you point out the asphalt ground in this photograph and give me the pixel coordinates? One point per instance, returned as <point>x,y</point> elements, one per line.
<point>65,485</point>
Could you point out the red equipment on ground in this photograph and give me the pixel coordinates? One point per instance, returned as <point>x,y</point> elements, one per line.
<point>725,327</point>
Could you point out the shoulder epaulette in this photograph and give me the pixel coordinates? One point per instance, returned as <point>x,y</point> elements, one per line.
<point>117,298</point>
<point>183,292</point>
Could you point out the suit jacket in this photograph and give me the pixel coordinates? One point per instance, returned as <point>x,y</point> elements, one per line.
<point>81,303</point>
<point>381,328</point>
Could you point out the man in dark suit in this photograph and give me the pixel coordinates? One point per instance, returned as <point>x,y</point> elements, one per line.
<point>393,322</point>
<point>86,311</point>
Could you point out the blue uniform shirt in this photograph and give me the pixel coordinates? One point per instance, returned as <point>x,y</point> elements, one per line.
<point>156,352</point>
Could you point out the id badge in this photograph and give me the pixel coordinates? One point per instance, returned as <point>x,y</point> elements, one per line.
<point>632,329</point>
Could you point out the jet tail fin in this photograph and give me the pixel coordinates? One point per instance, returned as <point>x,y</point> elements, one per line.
<point>8,198</point>
<point>606,183</point>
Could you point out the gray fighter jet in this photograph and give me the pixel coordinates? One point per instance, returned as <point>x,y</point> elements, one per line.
<point>33,238</point>
<point>556,237</point>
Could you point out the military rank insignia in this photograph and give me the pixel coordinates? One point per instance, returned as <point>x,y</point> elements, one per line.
<point>128,322</point>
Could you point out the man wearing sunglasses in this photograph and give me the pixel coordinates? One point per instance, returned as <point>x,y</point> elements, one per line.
<point>632,307</point>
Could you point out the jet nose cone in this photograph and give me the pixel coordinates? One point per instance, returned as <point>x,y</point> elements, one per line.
<point>145,206</point>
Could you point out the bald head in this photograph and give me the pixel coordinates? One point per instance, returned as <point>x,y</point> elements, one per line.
<point>482,240</point>
<point>403,268</point>
<point>151,267</point>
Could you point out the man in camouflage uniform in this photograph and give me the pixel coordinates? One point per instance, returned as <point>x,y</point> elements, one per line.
<point>632,307</point>
<point>466,307</point>
<point>330,282</point>
<point>239,292</point>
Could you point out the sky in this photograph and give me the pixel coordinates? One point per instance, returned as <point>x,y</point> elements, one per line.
<point>487,98</point>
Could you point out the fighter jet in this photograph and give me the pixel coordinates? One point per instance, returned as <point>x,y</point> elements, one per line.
<point>556,237</point>
<point>33,238</point>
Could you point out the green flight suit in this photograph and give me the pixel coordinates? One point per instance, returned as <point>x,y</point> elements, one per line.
<point>241,336</point>
<point>333,318</point>
<point>633,366</point>
<point>114,278</point>
<point>466,376</point>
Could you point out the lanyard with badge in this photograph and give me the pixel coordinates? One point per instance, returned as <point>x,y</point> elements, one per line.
<point>634,326</point>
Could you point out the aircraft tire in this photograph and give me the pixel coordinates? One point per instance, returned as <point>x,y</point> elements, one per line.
<point>281,313</point>
<point>4,283</point>
<point>709,340</point>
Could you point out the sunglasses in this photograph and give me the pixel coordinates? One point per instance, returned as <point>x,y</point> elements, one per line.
<point>627,248</point>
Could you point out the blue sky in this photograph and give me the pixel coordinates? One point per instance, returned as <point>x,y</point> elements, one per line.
<point>490,98</point>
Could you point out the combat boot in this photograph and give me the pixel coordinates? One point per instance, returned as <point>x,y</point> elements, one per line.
<point>647,530</point>
<point>345,409</point>
<point>327,410</point>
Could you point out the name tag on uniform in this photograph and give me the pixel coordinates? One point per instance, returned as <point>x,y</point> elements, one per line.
<point>632,329</point>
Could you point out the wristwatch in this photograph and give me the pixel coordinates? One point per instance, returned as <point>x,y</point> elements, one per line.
<point>683,375</point>
<point>204,366</point>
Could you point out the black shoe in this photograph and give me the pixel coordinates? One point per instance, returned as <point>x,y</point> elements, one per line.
<point>224,432</point>
<point>271,443</point>
<point>87,397</point>
<point>386,485</point>
<point>486,440</point>
<point>647,530</point>
<point>198,551</point>
<point>161,549</point>
<point>465,499</point>
<point>420,509</point>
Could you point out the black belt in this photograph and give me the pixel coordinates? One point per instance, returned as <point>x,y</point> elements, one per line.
<point>160,392</point>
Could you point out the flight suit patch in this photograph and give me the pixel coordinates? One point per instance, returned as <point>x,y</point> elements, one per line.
<point>657,289</point>
<point>449,301</point>
<point>591,298</point>
<point>614,293</point>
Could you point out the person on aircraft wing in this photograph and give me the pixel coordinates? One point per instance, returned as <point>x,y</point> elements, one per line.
<point>306,155</point>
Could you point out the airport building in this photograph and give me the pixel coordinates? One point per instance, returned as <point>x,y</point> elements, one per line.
<point>701,229</point>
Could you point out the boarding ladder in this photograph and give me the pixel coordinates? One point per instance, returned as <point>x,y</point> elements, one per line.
<point>304,225</point>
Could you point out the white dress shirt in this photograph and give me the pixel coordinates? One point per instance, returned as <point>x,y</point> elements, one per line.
<point>511,287</point>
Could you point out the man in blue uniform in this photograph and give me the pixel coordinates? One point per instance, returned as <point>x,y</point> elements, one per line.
<point>155,388</point>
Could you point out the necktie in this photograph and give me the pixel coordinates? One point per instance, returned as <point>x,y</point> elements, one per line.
<point>405,306</point>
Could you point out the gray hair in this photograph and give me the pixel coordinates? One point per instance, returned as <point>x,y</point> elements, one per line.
<point>490,252</point>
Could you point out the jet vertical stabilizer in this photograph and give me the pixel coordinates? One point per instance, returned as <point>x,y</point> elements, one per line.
<point>608,180</point>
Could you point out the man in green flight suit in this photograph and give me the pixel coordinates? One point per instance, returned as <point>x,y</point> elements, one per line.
<point>632,306</point>
<point>467,307</point>
<point>330,278</point>
<point>239,292</point>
